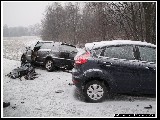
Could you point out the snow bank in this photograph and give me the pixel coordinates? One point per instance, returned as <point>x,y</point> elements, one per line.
<point>13,47</point>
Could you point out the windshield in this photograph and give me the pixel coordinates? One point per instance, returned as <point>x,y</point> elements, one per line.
<point>31,45</point>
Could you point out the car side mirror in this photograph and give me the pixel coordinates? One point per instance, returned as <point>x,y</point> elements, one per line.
<point>37,48</point>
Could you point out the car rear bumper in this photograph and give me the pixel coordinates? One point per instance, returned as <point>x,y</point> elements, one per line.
<point>77,79</point>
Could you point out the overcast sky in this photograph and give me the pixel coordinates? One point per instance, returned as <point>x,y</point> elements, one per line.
<point>23,13</point>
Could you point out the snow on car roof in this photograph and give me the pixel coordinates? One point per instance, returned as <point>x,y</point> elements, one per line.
<point>116,42</point>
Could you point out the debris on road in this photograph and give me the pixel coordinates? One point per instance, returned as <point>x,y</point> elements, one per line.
<point>26,70</point>
<point>14,107</point>
<point>6,104</point>
<point>59,91</point>
<point>150,107</point>
<point>70,84</point>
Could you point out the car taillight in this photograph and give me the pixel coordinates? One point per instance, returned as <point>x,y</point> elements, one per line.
<point>82,58</point>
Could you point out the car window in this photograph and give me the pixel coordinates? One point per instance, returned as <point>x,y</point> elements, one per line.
<point>121,52</point>
<point>147,54</point>
<point>97,52</point>
<point>81,52</point>
<point>38,44</point>
<point>67,48</point>
<point>46,46</point>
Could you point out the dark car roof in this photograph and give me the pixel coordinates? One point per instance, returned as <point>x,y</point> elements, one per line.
<point>57,43</point>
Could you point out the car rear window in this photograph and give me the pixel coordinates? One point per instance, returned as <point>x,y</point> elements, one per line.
<point>46,46</point>
<point>67,48</point>
<point>121,52</point>
<point>81,52</point>
<point>147,54</point>
<point>39,44</point>
<point>97,52</point>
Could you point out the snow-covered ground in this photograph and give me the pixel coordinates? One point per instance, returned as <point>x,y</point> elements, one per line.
<point>13,47</point>
<point>53,95</point>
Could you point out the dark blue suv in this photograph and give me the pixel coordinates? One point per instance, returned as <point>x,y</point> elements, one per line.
<point>118,66</point>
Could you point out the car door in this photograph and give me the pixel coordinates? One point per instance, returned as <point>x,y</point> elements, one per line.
<point>119,62</point>
<point>64,55</point>
<point>28,53</point>
<point>148,69</point>
<point>44,50</point>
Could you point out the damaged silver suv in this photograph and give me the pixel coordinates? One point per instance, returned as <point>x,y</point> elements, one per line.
<point>51,54</point>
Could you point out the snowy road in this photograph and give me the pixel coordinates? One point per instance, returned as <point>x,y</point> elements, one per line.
<point>53,95</point>
<point>39,98</point>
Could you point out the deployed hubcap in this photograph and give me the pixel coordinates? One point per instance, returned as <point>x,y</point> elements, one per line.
<point>95,91</point>
<point>49,65</point>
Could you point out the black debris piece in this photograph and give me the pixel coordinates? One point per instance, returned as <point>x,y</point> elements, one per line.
<point>59,91</point>
<point>14,107</point>
<point>70,84</point>
<point>26,70</point>
<point>6,104</point>
<point>150,107</point>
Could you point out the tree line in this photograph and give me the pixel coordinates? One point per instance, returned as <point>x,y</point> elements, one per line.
<point>82,22</point>
<point>99,21</point>
<point>32,30</point>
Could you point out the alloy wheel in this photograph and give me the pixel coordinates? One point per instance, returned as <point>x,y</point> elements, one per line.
<point>49,65</point>
<point>95,92</point>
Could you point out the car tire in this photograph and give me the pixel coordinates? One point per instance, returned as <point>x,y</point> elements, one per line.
<point>70,67</point>
<point>95,91</point>
<point>49,65</point>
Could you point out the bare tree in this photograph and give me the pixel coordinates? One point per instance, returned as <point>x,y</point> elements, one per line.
<point>139,18</point>
<point>100,21</point>
<point>150,17</point>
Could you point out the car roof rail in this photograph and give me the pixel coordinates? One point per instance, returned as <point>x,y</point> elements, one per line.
<point>68,44</point>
